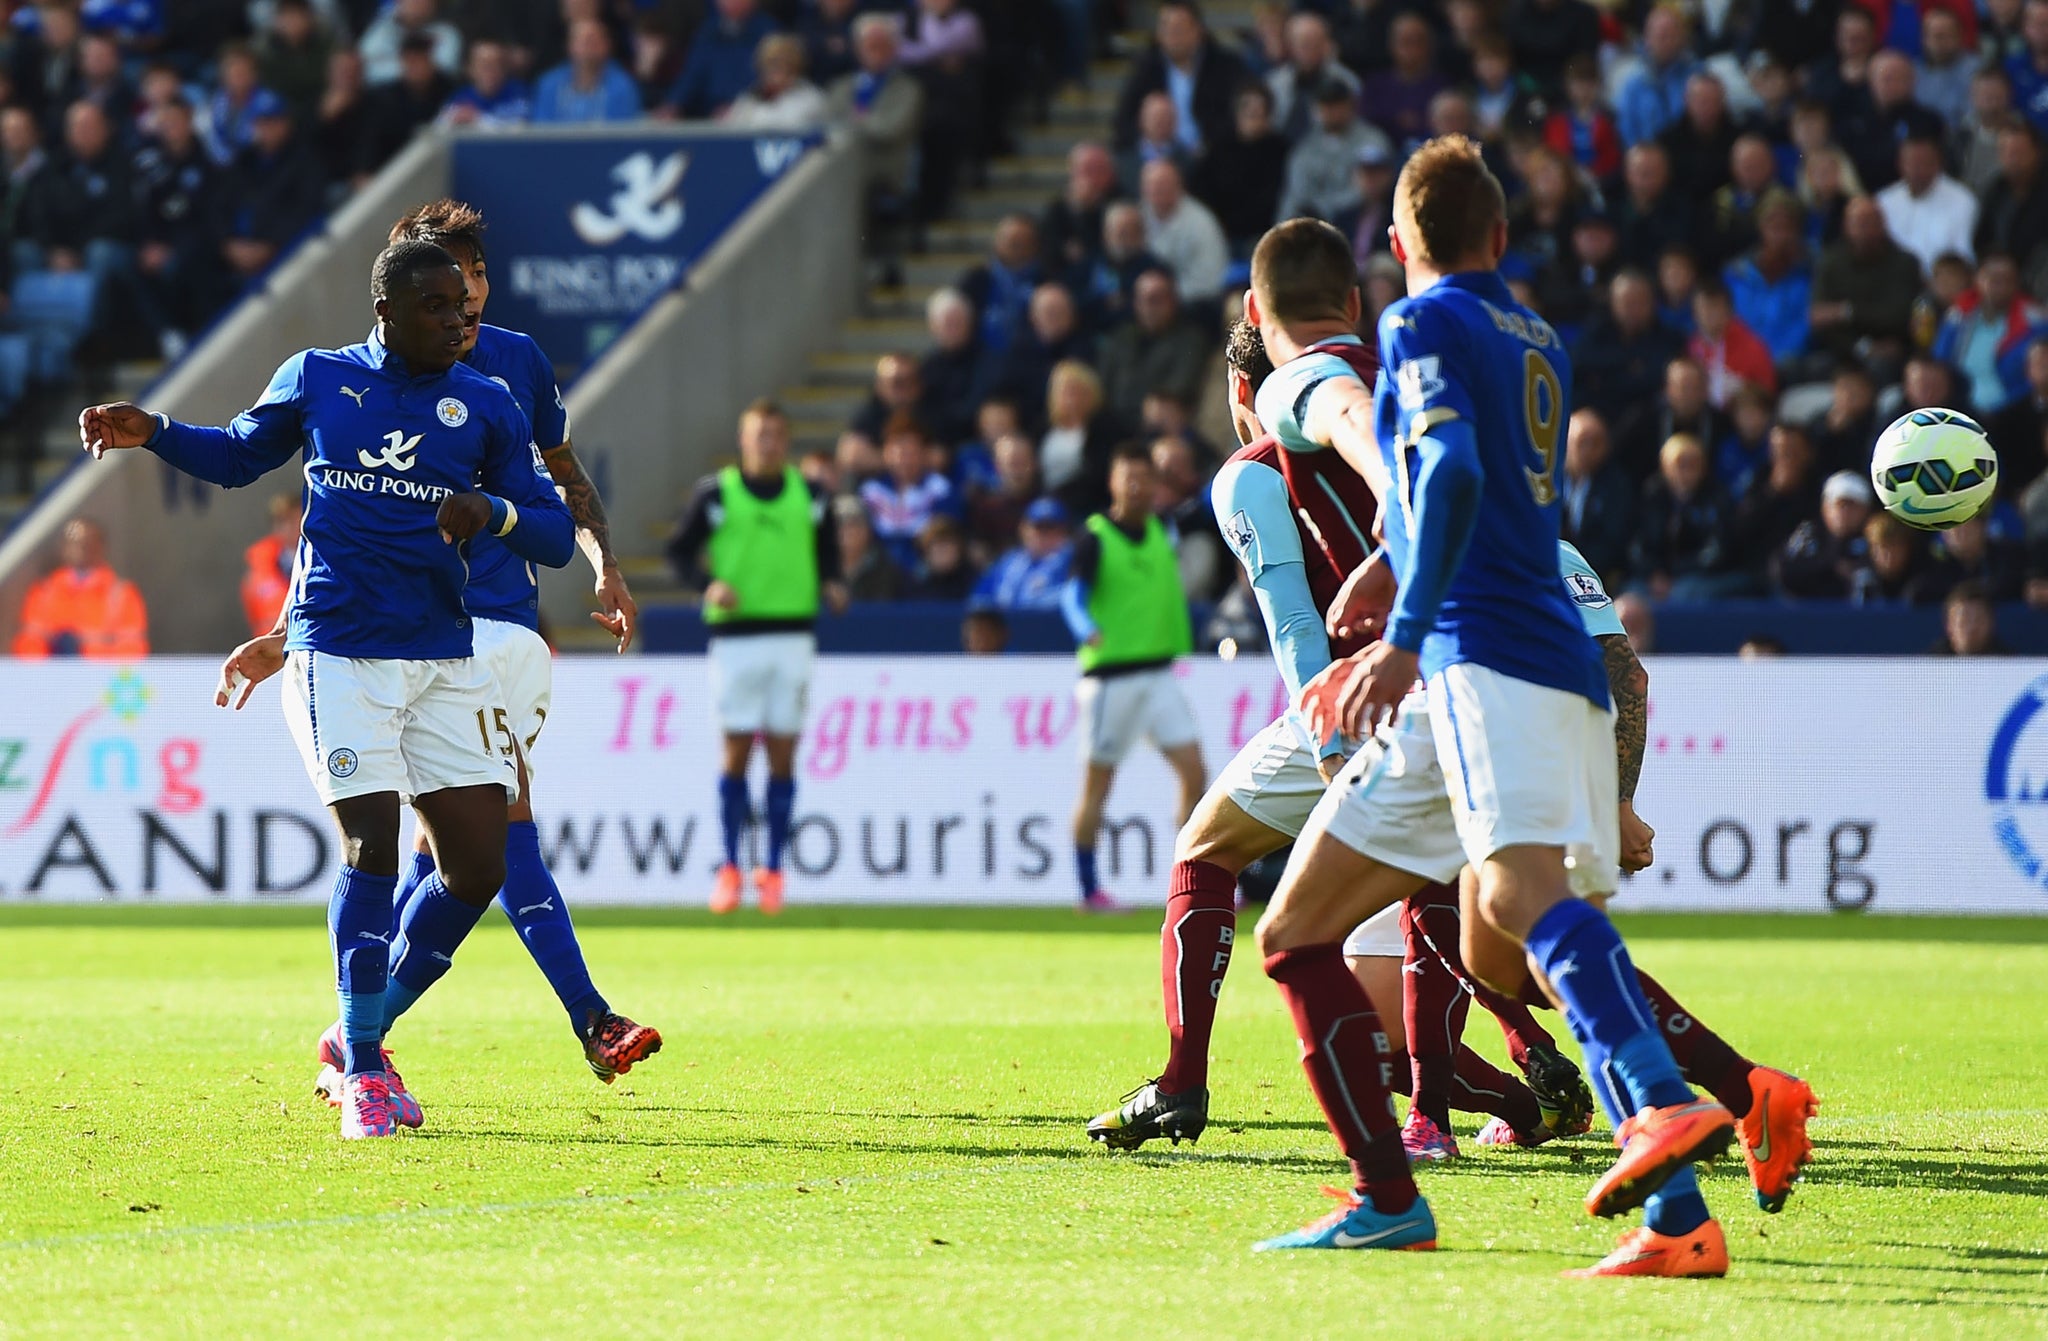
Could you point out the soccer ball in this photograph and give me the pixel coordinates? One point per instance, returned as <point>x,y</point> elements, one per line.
<point>1934,468</point>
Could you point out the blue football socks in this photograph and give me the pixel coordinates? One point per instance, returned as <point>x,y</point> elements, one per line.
<point>1084,865</point>
<point>435,924</point>
<point>734,814</point>
<point>410,878</point>
<point>781,804</point>
<point>533,902</point>
<point>1582,955</point>
<point>359,922</point>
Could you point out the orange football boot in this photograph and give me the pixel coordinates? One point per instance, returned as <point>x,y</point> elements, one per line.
<point>1654,1143</point>
<point>768,886</point>
<point>725,893</point>
<point>1644,1252</point>
<point>1773,1133</point>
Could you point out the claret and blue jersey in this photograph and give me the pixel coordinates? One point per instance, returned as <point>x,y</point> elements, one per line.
<point>502,585</point>
<point>1471,405</point>
<point>381,448</point>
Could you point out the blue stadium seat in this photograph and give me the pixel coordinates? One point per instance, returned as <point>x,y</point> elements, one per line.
<point>54,310</point>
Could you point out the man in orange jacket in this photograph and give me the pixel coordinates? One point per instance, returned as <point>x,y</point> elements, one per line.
<point>83,609</point>
<point>268,580</point>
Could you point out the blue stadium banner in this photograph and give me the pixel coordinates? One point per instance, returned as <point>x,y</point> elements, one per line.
<point>587,232</point>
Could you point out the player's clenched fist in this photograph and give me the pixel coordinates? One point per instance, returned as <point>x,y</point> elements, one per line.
<point>108,428</point>
<point>462,516</point>
<point>1364,601</point>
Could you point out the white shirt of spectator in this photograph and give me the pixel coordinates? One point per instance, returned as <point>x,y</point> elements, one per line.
<point>1192,245</point>
<point>1931,225</point>
<point>1059,455</point>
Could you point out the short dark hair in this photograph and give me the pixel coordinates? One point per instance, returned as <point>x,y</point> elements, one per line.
<point>1714,287</point>
<point>1193,10</point>
<point>1244,349</point>
<point>1969,591</point>
<point>403,263</point>
<point>445,223</point>
<point>904,423</point>
<point>763,407</point>
<point>1131,450</point>
<point>1303,270</point>
<point>1451,199</point>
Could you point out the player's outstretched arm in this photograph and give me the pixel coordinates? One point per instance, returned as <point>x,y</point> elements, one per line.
<point>116,427</point>
<point>616,609</point>
<point>261,438</point>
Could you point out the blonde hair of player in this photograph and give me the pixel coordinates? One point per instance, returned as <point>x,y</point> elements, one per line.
<point>1450,214</point>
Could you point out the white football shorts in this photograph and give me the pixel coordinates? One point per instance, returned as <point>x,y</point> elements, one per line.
<point>1274,779</point>
<point>1389,801</point>
<point>1527,764</point>
<point>525,670</point>
<point>761,682</point>
<point>411,727</point>
<point>1116,710</point>
<point>1378,936</point>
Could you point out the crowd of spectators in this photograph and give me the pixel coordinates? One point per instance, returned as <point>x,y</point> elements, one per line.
<point>1762,230</point>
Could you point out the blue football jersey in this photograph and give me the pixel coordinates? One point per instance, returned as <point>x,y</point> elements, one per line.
<point>501,584</point>
<point>380,449</point>
<point>1464,349</point>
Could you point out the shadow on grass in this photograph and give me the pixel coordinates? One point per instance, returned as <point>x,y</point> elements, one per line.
<point>1875,1164</point>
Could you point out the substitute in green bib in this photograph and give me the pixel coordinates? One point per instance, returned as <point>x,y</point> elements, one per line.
<point>757,541</point>
<point>1126,608</point>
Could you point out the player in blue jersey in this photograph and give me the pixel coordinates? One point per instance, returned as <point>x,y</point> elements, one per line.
<point>383,693</point>
<point>503,599</point>
<point>1467,419</point>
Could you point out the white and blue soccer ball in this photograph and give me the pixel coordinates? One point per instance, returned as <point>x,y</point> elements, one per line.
<point>1934,468</point>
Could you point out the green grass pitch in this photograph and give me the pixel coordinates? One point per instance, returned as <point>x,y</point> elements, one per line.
<point>870,1124</point>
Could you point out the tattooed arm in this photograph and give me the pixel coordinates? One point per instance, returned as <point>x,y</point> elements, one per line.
<point>616,612</point>
<point>1630,685</point>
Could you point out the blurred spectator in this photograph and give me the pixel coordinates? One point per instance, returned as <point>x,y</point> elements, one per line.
<point>85,217</point>
<point>1106,294</point>
<point>1052,335</point>
<point>1969,623</point>
<point>1070,230</point>
<point>270,194</point>
<point>944,572</point>
<point>1743,454</point>
<point>1781,498</point>
<point>720,65</point>
<point>780,99</point>
<point>909,494</point>
<point>898,389</point>
<point>1821,559</point>
<point>1322,178</point>
<point>1373,174</point>
<point>2027,68</point>
<point>2016,430</point>
<point>590,85</point>
<point>1654,97</point>
<point>384,41</point>
<point>83,609</point>
<point>1973,141</point>
<point>399,108</point>
<point>1698,143</point>
<point>1311,67</point>
<point>1397,101</point>
<point>1731,224</point>
<point>1894,570</point>
<point>267,565</point>
<point>1186,63</point>
<point>1842,80</point>
<point>1969,552</point>
<point>1157,142</point>
<point>1166,415</point>
<point>1760,647</point>
<point>176,184</point>
<point>884,107</point>
<point>993,515</point>
<point>1772,286</point>
<point>1678,278</point>
<point>1000,287</point>
<point>1181,499</point>
<point>951,371</point>
<point>1638,620</point>
<point>1827,184</point>
<point>1503,98</point>
<point>1540,220</point>
<point>984,632</point>
<point>2013,215</point>
<point>1031,575</point>
<point>870,573</point>
<point>1985,334</point>
<point>1943,74</point>
<point>341,131</point>
<point>1599,502</point>
<point>492,97</point>
<point>1548,34</point>
<point>1186,238</point>
<point>101,80</point>
<point>1073,454</point>
<point>1583,129</point>
<point>1681,546</point>
<point>1928,383</point>
<point>44,60</point>
<point>1653,216</point>
<point>1863,289</point>
<point>1926,211</point>
<point>1844,434</point>
<point>826,28</point>
<point>1890,116</point>
<point>1619,362</point>
<point>1730,352</point>
<point>226,126</point>
<point>292,56</point>
<point>1157,351</point>
<point>1681,407</point>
